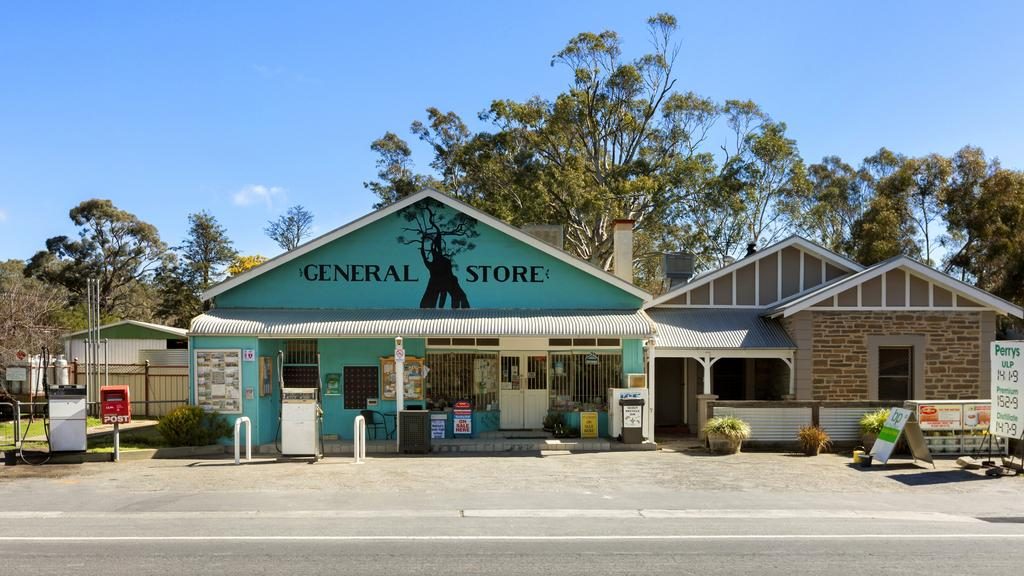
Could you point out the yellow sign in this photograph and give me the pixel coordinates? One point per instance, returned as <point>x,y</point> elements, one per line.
<point>588,424</point>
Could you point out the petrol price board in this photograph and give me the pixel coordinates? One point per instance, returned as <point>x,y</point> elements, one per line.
<point>1007,405</point>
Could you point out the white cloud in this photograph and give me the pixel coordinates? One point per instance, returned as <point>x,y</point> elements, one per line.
<point>258,193</point>
<point>3,215</point>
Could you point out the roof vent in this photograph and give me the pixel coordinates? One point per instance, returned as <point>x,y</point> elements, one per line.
<point>677,269</point>
<point>551,234</point>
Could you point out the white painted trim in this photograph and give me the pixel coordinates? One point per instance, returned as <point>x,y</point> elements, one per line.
<point>798,242</point>
<point>906,286</point>
<point>448,201</point>
<point>860,295</point>
<point>717,306</point>
<point>801,287</point>
<point>884,295</point>
<point>836,307</point>
<point>914,267</point>
<point>778,289</point>
<point>757,283</point>
<point>734,288</point>
<point>716,355</point>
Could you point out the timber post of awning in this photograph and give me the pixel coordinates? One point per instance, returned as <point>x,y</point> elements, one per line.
<point>707,359</point>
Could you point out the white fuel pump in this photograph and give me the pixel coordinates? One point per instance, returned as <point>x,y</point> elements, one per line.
<point>301,416</point>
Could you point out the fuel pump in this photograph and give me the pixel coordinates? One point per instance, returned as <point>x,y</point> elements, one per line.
<point>301,418</point>
<point>67,409</point>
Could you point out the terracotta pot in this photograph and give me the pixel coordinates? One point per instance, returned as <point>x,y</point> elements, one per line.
<point>868,440</point>
<point>721,444</point>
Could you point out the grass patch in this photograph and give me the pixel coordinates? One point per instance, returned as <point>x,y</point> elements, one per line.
<point>134,439</point>
<point>36,429</point>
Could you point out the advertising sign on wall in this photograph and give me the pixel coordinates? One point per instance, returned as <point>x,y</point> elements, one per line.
<point>463,417</point>
<point>1007,407</point>
<point>588,424</point>
<point>218,380</point>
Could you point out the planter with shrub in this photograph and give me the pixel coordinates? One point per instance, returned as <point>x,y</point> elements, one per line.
<point>813,439</point>
<point>725,434</point>
<point>193,426</point>
<point>870,425</point>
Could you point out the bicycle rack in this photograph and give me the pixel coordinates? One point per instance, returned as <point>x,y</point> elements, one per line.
<point>248,438</point>
<point>359,440</point>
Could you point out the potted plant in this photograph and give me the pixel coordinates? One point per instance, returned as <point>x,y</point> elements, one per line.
<point>870,425</point>
<point>725,434</point>
<point>813,439</point>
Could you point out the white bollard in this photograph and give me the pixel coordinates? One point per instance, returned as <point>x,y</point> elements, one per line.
<point>248,438</point>
<point>359,440</point>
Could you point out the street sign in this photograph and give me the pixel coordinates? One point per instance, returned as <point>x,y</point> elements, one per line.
<point>1007,404</point>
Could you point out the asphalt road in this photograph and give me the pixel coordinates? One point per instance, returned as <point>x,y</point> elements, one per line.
<point>515,541</point>
<point>593,514</point>
<point>500,556</point>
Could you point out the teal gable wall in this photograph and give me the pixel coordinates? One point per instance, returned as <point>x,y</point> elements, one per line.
<point>530,278</point>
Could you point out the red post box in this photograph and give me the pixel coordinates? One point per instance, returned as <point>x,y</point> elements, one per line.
<point>115,407</point>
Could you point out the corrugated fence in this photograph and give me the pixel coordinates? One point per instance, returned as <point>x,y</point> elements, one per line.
<point>778,422</point>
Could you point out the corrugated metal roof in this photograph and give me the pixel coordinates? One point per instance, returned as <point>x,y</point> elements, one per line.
<point>423,322</point>
<point>717,328</point>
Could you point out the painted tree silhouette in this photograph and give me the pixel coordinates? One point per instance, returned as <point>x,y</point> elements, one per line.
<point>440,235</point>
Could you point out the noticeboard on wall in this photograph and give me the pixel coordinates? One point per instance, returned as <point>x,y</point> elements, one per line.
<point>413,382</point>
<point>218,380</point>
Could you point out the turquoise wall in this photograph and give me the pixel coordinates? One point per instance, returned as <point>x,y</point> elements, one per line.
<point>250,379</point>
<point>493,269</point>
<point>632,357</point>
<point>335,354</point>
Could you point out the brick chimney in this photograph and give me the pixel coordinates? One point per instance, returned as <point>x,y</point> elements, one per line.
<point>622,258</point>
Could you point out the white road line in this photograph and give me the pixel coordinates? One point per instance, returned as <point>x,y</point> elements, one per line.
<point>534,538</point>
<point>616,513</point>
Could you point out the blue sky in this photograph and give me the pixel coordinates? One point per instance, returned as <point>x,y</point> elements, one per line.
<point>246,108</point>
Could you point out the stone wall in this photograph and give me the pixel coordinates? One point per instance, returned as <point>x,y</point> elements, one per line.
<point>954,356</point>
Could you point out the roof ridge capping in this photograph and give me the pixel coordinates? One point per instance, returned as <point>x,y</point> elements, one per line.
<point>987,299</point>
<point>454,203</point>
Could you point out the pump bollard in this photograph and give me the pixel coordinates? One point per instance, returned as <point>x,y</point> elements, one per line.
<point>359,440</point>
<point>248,438</point>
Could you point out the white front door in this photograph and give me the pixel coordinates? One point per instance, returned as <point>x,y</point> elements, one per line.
<point>523,398</point>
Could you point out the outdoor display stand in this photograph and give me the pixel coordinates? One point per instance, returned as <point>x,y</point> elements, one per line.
<point>901,423</point>
<point>956,427</point>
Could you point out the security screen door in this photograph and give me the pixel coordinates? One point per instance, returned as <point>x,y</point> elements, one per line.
<point>523,398</point>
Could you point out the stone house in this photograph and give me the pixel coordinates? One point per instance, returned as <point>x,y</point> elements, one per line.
<point>797,321</point>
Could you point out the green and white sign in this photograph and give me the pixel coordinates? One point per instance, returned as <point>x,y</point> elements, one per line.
<point>890,434</point>
<point>1007,406</point>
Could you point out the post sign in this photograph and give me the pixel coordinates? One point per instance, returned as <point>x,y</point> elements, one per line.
<point>1007,417</point>
<point>588,424</point>
<point>249,355</point>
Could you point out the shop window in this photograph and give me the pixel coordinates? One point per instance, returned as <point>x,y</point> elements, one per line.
<point>560,342</point>
<point>487,342</point>
<point>584,342</point>
<point>463,342</point>
<point>581,380</point>
<point>300,352</point>
<point>439,341</point>
<point>895,373</point>
<point>455,376</point>
<point>177,344</point>
<point>613,342</point>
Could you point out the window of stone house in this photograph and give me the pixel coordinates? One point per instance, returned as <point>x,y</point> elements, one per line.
<point>895,373</point>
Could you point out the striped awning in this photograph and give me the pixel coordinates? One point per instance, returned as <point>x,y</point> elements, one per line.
<point>412,323</point>
<point>718,329</point>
